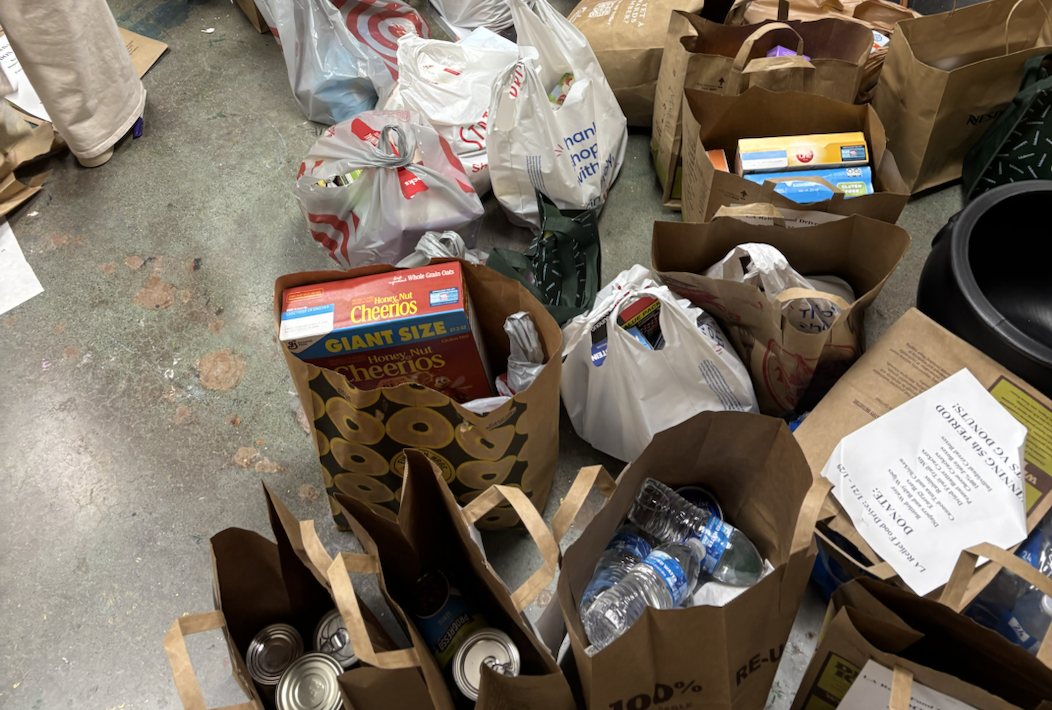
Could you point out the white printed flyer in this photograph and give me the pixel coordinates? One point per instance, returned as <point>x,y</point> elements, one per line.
<point>872,691</point>
<point>933,477</point>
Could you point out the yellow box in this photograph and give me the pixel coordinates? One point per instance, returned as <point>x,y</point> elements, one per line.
<point>778,153</point>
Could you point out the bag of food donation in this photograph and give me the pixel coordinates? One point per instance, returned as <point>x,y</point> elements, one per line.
<point>492,14</point>
<point>642,361</point>
<point>555,125</point>
<point>793,358</point>
<point>336,70</point>
<point>259,583</point>
<point>449,85</point>
<point>421,561</point>
<point>373,185</point>
<point>703,656</point>
<point>361,434</point>
<point>948,76</point>
<point>628,39</point>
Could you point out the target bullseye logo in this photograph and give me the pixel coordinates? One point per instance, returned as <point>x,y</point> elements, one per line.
<point>378,25</point>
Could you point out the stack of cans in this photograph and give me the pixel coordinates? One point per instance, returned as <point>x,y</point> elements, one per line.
<point>292,680</point>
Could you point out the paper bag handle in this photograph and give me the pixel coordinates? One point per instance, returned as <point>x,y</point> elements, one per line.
<point>901,689</point>
<point>809,513</point>
<point>347,603</point>
<point>954,591</point>
<point>783,10</point>
<point>534,523</point>
<point>178,658</point>
<point>742,57</point>
<point>586,478</point>
<point>791,294</point>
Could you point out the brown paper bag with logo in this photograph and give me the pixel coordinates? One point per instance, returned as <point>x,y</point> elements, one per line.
<point>712,122</point>
<point>947,76</point>
<point>874,14</point>
<point>628,39</point>
<point>701,54</point>
<point>431,532</point>
<point>360,434</point>
<point>258,583</point>
<point>914,354</point>
<point>720,658</point>
<point>790,369</point>
<point>923,641</point>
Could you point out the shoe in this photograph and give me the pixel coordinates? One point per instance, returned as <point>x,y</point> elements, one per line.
<point>100,159</point>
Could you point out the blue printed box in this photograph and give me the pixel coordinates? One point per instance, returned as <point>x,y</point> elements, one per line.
<point>806,186</point>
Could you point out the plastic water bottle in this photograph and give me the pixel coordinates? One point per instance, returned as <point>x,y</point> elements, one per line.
<point>1030,620</point>
<point>628,547</point>
<point>663,580</point>
<point>729,556</point>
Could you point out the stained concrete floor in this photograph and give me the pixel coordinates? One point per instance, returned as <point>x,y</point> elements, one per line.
<point>116,465</point>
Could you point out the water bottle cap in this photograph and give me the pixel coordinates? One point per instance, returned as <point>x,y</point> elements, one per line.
<point>1046,605</point>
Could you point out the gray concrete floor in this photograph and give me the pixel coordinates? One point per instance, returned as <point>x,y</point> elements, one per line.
<point>116,464</point>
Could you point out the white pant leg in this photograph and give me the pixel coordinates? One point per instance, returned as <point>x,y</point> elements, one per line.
<point>74,57</point>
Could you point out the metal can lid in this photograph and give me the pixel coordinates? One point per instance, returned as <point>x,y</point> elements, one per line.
<point>310,684</point>
<point>703,498</point>
<point>490,647</point>
<point>331,637</point>
<point>271,651</point>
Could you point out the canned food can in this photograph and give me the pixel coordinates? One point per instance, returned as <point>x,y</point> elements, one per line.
<point>309,683</point>
<point>444,617</point>
<point>271,651</point>
<point>487,647</point>
<point>331,637</point>
<point>702,498</point>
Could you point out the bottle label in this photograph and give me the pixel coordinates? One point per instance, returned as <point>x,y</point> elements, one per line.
<point>671,574</point>
<point>632,544</point>
<point>714,537</point>
<point>1014,631</point>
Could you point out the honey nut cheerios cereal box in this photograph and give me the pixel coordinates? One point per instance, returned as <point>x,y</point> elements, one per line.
<point>406,326</point>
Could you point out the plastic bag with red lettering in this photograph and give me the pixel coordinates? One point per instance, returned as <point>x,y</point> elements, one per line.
<point>449,85</point>
<point>371,186</point>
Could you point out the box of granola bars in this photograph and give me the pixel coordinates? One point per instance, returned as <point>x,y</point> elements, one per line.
<point>413,325</point>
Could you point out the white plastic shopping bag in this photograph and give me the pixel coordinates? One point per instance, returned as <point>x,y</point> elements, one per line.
<point>621,392</point>
<point>491,14</point>
<point>571,148</point>
<point>449,85</point>
<point>335,71</point>
<point>766,268</point>
<point>372,186</point>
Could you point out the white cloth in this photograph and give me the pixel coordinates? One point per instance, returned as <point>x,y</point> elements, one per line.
<point>73,55</point>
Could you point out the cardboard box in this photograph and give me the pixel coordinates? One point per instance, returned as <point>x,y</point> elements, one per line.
<point>776,153</point>
<point>414,325</point>
<point>713,121</point>
<point>253,14</point>
<point>719,160</point>
<point>914,354</point>
<point>806,186</point>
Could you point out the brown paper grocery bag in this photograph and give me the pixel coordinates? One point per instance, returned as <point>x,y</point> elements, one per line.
<point>711,121</point>
<point>914,354</point>
<point>701,54</point>
<point>948,76</point>
<point>718,658</point>
<point>360,434</point>
<point>874,14</point>
<point>431,532</point>
<point>790,369</point>
<point>628,39</point>
<point>258,583</point>
<point>922,641</point>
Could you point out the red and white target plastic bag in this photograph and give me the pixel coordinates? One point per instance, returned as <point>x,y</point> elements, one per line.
<point>555,124</point>
<point>340,55</point>
<point>449,85</point>
<point>401,179</point>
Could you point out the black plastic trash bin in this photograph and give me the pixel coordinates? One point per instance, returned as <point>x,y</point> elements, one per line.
<point>988,278</point>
